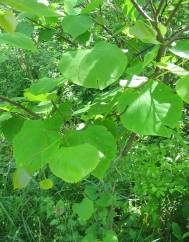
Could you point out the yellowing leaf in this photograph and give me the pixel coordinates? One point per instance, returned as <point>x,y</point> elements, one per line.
<point>8,22</point>
<point>46,184</point>
<point>21,178</point>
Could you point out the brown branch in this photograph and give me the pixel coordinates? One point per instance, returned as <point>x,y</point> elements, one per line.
<point>177,35</point>
<point>173,12</point>
<point>141,10</point>
<point>152,21</point>
<point>20,106</point>
<point>132,138</point>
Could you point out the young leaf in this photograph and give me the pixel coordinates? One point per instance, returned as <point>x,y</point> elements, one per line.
<point>182,88</point>
<point>152,110</point>
<point>98,67</point>
<point>46,184</point>
<point>76,25</point>
<point>72,164</point>
<point>17,40</point>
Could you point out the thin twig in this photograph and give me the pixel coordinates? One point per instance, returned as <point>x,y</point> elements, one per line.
<point>160,7</point>
<point>141,10</point>
<point>45,27</point>
<point>153,9</point>
<point>152,21</point>
<point>173,12</point>
<point>178,33</point>
<point>18,105</point>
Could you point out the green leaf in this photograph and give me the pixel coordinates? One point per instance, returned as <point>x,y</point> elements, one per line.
<point>110,236</point>
<point>21,178</point>
<point>46,34</point>
<point>70,7</point>
<point>5,116</point>
<point>181,48</point>
<point>98,67</point>
<point>177,232</point>
<point>84,209</point>
<point>76,25</point>
<point>99,137</point>
<point>46,184</point>
<point>11,127</point>
<point>8,22</point>
<point>17,40</point>
<point>40,90</point>
<point>153,110</point>
<point>33,145</point>
<point>25,27</point>
<point>92,6</point>
<point>31,6</point>
<point>143,32</point>
<point>72,164</point>
<point>150,56</point>
<point>182,88</point>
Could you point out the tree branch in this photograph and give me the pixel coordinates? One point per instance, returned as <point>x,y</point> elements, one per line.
<point>160,7</point>
<point>129,144</point>
<point>173,12</point>
<point>45,27</point>
<point>141,10</point>
<point>153,9</point>
<point>152,21</point>
<point>18,105</point>
<point>177,35</point>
